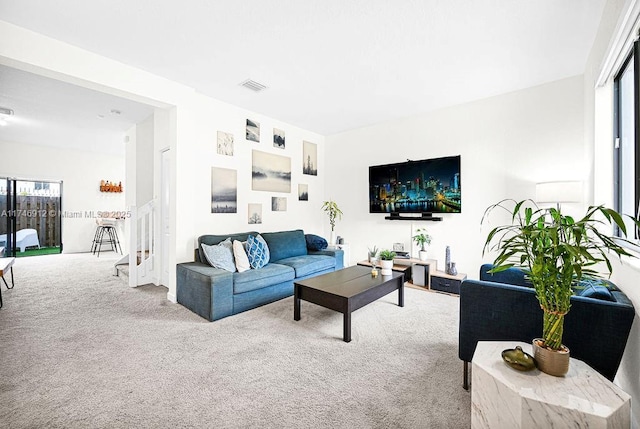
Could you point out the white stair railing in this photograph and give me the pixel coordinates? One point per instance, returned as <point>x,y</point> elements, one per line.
<point>142,248</point>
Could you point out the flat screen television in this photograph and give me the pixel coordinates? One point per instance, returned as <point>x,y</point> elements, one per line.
<point>425,186</point>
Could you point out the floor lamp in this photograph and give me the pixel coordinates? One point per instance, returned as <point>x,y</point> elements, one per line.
<point>559,192</point>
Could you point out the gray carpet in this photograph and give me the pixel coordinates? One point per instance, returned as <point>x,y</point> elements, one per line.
<point>80,349</point>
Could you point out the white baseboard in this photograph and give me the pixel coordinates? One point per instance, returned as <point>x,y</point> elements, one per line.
<point>171,297</point>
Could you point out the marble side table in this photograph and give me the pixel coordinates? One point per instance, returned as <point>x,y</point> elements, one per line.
<point>504,397</point>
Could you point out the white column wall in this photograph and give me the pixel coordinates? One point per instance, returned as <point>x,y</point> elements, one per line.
<point>144,161</point>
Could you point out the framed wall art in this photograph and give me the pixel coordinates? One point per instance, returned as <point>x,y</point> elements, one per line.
<point>270,172</point>
<point>254,213</point>
<point>253,131</point>
<point>278,138</point>
<point>224,190</point>
<point>303,192</point>
<point>225,143</point>
<point>309,158</point>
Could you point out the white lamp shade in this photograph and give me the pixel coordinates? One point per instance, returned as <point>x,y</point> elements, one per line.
<point>559,192</point>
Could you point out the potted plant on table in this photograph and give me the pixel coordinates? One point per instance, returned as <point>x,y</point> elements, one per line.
<point>334,212</point>
<point>555,251</point>
<point>373,253</point>
<point>386,261</point>
<point>422,239</point>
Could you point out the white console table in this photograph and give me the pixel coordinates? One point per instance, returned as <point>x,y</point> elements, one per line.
<point>504,397</point>
<point>347,252</point>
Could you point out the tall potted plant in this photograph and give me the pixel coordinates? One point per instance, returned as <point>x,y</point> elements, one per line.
<point>555,251</point>
<point>422,239</point>
<point>333,211</point>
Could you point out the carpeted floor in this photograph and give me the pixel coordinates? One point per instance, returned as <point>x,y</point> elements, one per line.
<point>80,349</point>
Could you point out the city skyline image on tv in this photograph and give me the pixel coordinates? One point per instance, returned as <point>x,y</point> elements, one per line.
<point>425,186</point>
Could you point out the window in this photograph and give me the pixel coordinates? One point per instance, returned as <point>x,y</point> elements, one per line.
<point>627,149</point>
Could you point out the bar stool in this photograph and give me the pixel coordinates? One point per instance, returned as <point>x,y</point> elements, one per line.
<point>105,234</point>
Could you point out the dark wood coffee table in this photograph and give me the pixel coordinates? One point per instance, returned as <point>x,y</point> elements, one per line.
<point>345,291</point>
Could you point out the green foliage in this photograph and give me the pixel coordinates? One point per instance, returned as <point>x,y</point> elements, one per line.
<point>422,238</point>
<point>555,251</point>
<point>334,212</point>
<point>373,251</point>
<point>387,255</point>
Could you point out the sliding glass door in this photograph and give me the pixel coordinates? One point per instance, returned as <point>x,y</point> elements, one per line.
<point>7,216</point>
<point>30,222</point>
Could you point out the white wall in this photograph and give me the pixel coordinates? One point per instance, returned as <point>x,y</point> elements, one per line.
<point>598,143</point>
<point>209,116</point>
<point>81,173</point>
<point>507,144</point>
<point>144,161</point>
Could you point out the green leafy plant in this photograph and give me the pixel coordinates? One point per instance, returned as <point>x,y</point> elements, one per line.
<point>387,255</point>
<point>422,238</point>
<point>373,251</point>
<point>555,251</point>
<point>334,212</point>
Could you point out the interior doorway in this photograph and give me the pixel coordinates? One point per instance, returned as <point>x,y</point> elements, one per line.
<point>30,221</point>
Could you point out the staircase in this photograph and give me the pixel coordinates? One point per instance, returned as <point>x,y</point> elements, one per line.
<point>138,266</point>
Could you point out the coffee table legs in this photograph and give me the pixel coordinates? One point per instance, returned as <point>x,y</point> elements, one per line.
<point>346,322</point>
<point>346,327</point>
<point>296,302</point>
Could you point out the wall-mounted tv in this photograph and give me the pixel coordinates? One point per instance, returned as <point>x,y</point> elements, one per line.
<point>425,186</point>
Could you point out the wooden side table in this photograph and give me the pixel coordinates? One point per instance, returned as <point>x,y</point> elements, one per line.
<point>504,397</point>
<point>443,282</point>
<point>420,273</point>
<point>405,269</point>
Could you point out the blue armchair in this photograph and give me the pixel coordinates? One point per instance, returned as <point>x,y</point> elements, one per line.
<point>503,307</point>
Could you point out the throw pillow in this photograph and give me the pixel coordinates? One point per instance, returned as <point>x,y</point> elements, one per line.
<point>597,292</point>
<point>257,251</point>
<point>315,242</point>
<point>220,255</point>
<point>242,261</point>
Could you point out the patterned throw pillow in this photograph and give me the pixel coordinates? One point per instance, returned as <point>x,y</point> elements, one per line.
<point>257,251</point>
<point>220,255</point>
<point>242,260</point>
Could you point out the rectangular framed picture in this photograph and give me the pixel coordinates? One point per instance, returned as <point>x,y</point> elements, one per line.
<point>225,143</point>
<point>278,204</point>
<point>253,131</point>
<point>303,192</point>
<point>270,172</point>
<point>254,213</point>
<point>278,138</point>
<point>224,190</point>
<point>309,158</point>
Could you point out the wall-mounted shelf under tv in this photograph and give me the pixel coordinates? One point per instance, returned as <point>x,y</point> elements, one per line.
<point>424,216</point>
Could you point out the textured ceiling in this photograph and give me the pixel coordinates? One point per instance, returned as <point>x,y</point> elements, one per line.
<point>331,65</point>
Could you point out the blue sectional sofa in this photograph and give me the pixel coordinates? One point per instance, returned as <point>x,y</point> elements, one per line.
<point>503,306</point>
<point>214,293</point>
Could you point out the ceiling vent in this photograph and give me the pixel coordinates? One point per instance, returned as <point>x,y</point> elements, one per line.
<point>253,85</point>
<point>6,111</point>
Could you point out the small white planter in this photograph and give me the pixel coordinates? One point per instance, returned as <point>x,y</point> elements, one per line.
<point>422,254</point>
<point>386,267</point>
